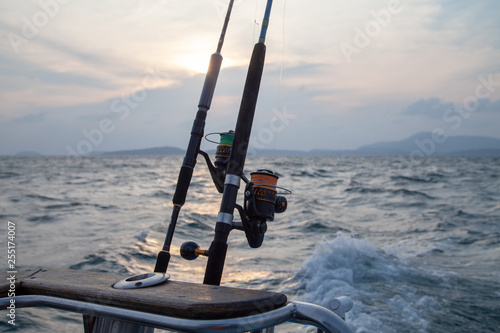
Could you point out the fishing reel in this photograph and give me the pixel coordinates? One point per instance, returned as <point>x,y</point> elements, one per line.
<point>261,199</point>
<point>218,172</point>
<point>260,204</point>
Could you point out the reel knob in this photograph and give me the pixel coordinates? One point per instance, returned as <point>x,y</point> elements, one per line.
<point>191,251</point>
<point>281,204</point>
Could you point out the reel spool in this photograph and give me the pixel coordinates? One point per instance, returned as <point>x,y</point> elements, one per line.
<point>261,202</point>
<point>264,194</point>
<point>224,149</point>
<point>218,172</point>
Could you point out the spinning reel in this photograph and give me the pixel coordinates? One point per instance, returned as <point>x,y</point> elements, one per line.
<point>261,202</point>
<point>218,172</point>
<point>261,199</point>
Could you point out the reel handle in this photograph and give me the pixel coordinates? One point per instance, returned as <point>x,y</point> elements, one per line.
<point>190,251</point>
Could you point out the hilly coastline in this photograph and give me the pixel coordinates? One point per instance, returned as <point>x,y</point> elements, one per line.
<point>147,151</point>
<point>418,145</point>
<point>421,144</point>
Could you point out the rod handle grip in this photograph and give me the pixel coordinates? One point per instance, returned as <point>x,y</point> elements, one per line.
<point>215,264</point>
<point>162,262</point>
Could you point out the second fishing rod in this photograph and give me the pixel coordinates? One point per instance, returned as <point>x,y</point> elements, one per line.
<point>234,172</point>
<point>197,131</point>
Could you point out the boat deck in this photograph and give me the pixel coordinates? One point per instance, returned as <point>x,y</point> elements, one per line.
<point>171,298</point>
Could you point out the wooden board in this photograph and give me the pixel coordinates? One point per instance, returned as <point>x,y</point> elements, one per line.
<point>5,285</point>
<point>172,298</point>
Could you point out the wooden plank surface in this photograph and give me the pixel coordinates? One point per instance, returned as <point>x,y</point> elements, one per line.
<point>172,298</point>
<point>5,282</point>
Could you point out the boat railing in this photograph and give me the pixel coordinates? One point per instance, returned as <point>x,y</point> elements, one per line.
<point>295,312</point>
<point>172,305</point>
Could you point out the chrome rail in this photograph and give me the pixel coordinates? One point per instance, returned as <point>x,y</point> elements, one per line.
<point>297,312</point>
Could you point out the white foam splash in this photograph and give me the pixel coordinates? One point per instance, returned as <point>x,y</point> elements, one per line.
<point>378,283</point>
<point>142,235</point>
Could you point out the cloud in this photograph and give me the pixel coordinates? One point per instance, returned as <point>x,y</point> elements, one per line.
<point>470,23</point>
<point>31,118</point>
<point>487,106</point>
<point>18,68</point>
<point>435,108</point>
<point>431,107</point>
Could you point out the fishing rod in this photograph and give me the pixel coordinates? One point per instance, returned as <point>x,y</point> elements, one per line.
<point>197,131</point>
<point>253,224</point>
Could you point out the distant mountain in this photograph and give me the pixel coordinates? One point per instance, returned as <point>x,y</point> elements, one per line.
<point>478,152</point>
<point>420,144</point>
<point>328,152</point>
<point>278,152</point>
<point>147,151</point>
<point>426,144</point>
<point>28,153</point>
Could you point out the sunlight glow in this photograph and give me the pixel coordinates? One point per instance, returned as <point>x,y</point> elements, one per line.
<point>197,63</point>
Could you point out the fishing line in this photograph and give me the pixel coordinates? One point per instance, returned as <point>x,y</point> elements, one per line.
<point>282,57</point>
<point>281,71</point>
<point>256,24</point>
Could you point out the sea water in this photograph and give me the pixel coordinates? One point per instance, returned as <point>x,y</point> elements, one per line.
<point>414,243</point>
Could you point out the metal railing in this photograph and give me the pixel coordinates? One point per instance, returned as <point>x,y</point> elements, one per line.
<point>296,312</point>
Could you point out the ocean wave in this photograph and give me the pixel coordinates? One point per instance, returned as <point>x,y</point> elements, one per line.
<point>84,182</point>
<point>7,174</point>
<point>406,192</point>
<point>64,206</point>
<point>317,226</point>
<point>409,178</point>
<point>398,192</point>
<point>315,174</point>
<point>487,239</point>
<point>162,194</point>
<point>42,218</point>
<point>40,197</point>
<point>364,190</point>
<point>71,205</point>
<point>428,178</point>
<point>334,183</point>
<point>100,262</point>
<point>358,269</point>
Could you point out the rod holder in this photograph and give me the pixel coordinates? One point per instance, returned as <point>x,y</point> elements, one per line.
<point>141,281</point>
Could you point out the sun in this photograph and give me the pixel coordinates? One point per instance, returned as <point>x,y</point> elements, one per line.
<point>197,63</point>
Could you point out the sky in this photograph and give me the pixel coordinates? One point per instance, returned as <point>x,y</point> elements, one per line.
<point>78,77</point>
